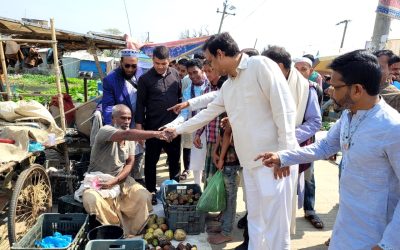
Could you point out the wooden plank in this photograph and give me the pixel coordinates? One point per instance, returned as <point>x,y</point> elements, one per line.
<point>4,69</point>
<point>96,60</point>
<point>81,106</point>
<point>29,40</point>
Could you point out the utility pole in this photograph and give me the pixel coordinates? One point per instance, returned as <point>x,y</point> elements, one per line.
<point>381,32</point>
<point>344,31</point>
<point>127,17</point>
<point>226,5</point>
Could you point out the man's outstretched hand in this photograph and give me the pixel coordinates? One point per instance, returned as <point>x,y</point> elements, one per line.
<point>269,159</point>
<point>170,133</point>
<point>178,107</point>
<point>164,136</point>
<point>272,160</point>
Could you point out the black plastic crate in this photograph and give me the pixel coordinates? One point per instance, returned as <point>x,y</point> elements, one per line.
<point>127,244</point>
<point>67,204</point>
<point>47,224</point>
<point>185,217</point>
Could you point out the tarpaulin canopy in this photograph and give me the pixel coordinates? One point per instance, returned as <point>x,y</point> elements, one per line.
<point>321,64</point>
<point>177,48</point>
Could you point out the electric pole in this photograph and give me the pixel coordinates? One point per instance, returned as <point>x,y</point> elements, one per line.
<point>381,32</point>
<point>344,31</point>
<point>226,5</point>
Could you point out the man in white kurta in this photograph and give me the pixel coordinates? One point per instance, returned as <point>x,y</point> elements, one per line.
<point>262,114</point>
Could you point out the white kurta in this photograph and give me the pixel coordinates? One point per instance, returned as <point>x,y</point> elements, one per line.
<point>262,114</point>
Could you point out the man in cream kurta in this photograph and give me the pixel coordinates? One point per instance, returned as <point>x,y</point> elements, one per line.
<point>262,114</point>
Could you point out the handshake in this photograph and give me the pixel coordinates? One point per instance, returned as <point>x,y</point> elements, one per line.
<point>166,134</point>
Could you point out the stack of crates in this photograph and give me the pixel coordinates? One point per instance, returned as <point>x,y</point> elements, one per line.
<point>184,217</point>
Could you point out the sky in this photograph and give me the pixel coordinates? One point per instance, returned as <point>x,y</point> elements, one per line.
<point>306,26</point>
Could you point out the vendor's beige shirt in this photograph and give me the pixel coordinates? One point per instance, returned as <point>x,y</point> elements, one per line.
<point>109,157</point>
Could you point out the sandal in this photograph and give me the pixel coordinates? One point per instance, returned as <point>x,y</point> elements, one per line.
<point>242,223</point>
<point>315,221</point>
<point>184,175</point>
<point>218,217</point>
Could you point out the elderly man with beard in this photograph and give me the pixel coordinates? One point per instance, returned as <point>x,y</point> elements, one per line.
<point>120,87</point>
<point>304,66</point>
<point>113,154</point>
<point>368,135</point>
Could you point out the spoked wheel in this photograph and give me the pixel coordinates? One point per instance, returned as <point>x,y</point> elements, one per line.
<point>31,197</point>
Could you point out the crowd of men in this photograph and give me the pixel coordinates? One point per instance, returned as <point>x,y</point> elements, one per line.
<point>254,116</point>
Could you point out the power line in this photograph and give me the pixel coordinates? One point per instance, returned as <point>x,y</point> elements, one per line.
<point>226,5</point>
<point>127,17</point>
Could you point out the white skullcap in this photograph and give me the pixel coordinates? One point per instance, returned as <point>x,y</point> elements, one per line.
<point>303,59</point>
<point>128,53</point>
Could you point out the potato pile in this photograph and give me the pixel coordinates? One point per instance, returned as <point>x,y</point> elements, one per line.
<point>190,198</point>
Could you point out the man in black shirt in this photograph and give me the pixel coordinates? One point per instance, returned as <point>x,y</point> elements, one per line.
<point>158,89</point>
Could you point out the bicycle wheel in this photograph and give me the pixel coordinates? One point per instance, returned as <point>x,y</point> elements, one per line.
<point>30,198</point>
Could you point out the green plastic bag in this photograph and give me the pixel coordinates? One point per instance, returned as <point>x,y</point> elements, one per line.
<point>213,198</point>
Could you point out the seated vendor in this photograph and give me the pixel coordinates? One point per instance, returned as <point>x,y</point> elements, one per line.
<point>113,153</point>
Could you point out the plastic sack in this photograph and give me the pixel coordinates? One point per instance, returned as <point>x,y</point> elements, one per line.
<point>213,198</point>
<point>56,241</point>
<point>35,146</point>
<point>8,111</point>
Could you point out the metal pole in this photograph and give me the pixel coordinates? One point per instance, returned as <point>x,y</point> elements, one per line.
<point>255,43</point>
<point>344,34</point>
<point>344,31</point>
<point>223,16</point>
<point>57,69</point>
<point>127,17</point>
<point>4,67</point>
<point>64,77</point>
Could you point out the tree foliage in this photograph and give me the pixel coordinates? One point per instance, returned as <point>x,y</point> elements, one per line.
<point>202,31</point>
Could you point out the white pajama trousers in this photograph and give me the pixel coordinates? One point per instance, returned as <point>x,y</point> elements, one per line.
<point>269,206</point>
<point>198,159</point>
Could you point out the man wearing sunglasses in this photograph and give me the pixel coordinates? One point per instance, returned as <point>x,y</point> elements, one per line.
<point>120,87</point>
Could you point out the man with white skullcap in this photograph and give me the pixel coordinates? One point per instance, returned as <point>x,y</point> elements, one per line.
<point>304,66</point>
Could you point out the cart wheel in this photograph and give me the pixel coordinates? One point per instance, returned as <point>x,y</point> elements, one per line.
<point>31,197</point>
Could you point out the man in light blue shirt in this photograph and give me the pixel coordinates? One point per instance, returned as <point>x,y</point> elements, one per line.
<point>368,135</point>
